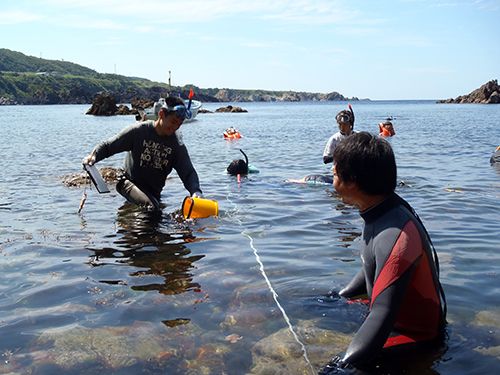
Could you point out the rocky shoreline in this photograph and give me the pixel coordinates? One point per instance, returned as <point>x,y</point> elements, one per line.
<point>489,93</point>
<point>80,96</point>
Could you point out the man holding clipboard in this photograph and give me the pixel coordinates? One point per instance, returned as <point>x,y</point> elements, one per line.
<point>153,149</point>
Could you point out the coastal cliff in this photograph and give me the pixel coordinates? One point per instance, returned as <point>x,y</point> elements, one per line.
<point>489,93</point>
<point>28,80</point>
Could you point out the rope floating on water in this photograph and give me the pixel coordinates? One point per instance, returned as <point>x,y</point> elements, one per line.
<point>273,292</point>
<point>275,296</point>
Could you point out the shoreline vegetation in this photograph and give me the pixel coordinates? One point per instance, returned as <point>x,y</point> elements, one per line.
<point>28,80</point>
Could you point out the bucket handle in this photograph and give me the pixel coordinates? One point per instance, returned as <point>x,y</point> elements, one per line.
<point>190,208</point>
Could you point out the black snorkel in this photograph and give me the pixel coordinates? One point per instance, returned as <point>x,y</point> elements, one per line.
<point>352,112</point>
<point>246,158</point>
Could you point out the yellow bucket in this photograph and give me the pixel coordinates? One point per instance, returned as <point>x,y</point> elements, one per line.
<point>199,207</point>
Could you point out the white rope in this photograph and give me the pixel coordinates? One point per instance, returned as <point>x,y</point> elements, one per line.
<point>273,292</point>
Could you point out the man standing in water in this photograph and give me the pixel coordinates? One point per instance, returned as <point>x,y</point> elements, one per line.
<point>400,271</point>
<point>153,150</point>
<point>345,122</point>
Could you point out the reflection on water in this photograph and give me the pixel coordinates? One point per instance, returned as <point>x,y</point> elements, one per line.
<point>155,246</point>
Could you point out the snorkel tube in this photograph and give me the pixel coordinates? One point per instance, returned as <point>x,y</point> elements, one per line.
<point>246,158</point>
<point>352,112</point>
<point>190,99</point>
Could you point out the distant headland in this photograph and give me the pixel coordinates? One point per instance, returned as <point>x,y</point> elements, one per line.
<point>489,93</point>
<point>28,80</point>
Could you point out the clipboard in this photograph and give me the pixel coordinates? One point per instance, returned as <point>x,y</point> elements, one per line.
<point>96,178</point>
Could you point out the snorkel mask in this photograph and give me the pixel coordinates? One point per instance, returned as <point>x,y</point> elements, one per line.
<point>181,112</point>
<point>344,117</point>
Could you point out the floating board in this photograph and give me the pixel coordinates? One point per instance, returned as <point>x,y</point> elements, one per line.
<point>252,169</point>
<point>308,182</point>
<point>96,178</point>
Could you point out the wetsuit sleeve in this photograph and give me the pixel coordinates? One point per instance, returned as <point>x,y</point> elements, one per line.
<point>394,270</point>
<point>356,287</point>
<point>187,173</point>
<point>121,142</point>
<point>375,330</point>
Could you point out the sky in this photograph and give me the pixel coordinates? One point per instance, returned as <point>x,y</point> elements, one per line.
<point>369,49</point>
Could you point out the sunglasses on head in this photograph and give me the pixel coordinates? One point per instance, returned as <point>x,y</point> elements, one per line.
<point>181,112</point>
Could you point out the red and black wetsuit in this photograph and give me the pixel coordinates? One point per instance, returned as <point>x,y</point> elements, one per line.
<point>401,277</point>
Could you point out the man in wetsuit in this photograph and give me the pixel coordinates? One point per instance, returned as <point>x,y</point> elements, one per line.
<point>153,150</point>
<point>400,267</point>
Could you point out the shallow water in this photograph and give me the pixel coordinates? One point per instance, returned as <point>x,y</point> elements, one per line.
<point>116,290</point>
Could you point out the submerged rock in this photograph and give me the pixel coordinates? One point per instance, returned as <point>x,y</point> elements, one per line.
<point>491,320</point>
<point>281,354</point>
<point>181,350</point>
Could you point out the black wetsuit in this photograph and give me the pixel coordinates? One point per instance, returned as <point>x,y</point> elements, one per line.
<point>150,159</point>
<point>495,158</point>
<point>319,178</point>
<point>400,276</point>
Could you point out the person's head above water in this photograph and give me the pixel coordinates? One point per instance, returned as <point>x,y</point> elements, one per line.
<point>388,124</point>
<point>367,161</point>
<point>239,166</point>
<point>345,121</point>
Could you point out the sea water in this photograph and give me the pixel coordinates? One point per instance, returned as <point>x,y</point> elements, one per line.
<point>116,290</point>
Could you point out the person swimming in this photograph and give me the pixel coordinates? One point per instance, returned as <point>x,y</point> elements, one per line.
<point>495,158</point>
<point>386,129</point>
<point>238,166</point>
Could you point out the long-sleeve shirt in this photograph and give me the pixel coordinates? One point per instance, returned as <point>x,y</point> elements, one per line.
<point>150,157</point>
<point>331,144</point>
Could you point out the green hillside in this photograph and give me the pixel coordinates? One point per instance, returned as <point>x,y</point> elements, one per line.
<point>33,80</point>
<point>11,61</point>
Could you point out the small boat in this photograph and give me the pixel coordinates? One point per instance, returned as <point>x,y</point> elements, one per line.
<point>152,113</point>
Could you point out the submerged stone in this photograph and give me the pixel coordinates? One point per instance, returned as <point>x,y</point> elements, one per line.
<point>282,354</point>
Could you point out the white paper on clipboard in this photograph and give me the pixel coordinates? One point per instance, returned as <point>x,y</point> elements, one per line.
<point>96,178</point>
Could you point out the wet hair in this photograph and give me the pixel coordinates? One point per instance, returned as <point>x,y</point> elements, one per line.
<point>368,161</point>
<point>172,101</point>
<point>238,166</point>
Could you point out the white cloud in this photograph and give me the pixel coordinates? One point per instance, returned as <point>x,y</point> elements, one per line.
<point>168,11</point>
<point>267,44</point>
<point>401,41</point>
<point>15,17</point>
<point>429,70</point>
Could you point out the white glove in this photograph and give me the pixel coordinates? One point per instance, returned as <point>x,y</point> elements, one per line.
<point>197,194</point>
<point>90,160</point>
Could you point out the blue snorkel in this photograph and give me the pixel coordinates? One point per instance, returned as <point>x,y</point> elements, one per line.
<point>186,112</point>
<point>182,111</point>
